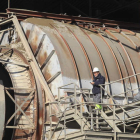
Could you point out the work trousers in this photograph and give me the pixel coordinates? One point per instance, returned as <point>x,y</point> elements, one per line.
<point>97,98</point>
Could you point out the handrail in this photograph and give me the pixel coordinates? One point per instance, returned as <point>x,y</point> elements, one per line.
<point>58,123</point>
<point>81,91</point>
<point>66,107</point>
<point>121,79</point>
<point>75,106</point>
<point>114,119</point>
<point>127,91</point>
<point>115,101</point>
<point>111,96</point>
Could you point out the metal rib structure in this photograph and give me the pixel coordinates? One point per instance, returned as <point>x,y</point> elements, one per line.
<point>41,55</point>
<point>79,50</point>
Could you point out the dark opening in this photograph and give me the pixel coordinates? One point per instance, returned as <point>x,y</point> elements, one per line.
<point>10,106</point>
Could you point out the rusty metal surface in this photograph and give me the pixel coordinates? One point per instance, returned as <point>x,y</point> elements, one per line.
<point>80,58</point>
<point>63,54</point>
<point>40,118</point>
<point>2,109</point>
<point>22,78</point>
<point>133,37</point>
<point>63,51</point>
<point>23,14</point>
<point>66,53</point>
<point>109,61</point>
<point>79,51</point>
<point>119,58</point>
<point>132,53</point>
<point>125,57</point>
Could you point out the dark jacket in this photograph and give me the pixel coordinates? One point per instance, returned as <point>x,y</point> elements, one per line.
<point>97,81</point>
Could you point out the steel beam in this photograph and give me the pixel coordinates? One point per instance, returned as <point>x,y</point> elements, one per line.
<point>47,60</point>
<point>84,51</point>
<point>53,77</point>
<point>33,62</point>
<point>23,14</point>
<point>19,107</point>
<point>20,127</point>
<point>39,46</point>
<point>13,63</point>
<point>70,51</point>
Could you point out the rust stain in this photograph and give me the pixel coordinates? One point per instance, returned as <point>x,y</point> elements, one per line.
<point>27,33</point>
<point>54,118</point>
<point>62,45</point>
<point>33,44</point>
<point>18,39</point>
<point>47,75</point>
<point>42,58</point>
<point>34,47</point>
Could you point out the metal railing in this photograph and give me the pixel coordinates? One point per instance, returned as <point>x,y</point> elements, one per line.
<point>112,96</point>
<point>94,117</point>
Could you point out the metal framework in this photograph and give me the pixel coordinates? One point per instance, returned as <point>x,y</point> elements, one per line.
<point>120,94</point>
<point>19,108</point>
<point>113,120</point>
<point>23,118</point>
<point>120,121</point>
<point>86,21</point>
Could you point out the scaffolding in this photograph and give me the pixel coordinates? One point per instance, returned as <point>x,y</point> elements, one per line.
<point>114,121</point>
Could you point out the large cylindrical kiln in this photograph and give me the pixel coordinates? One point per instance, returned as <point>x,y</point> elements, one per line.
<point>60,54</point>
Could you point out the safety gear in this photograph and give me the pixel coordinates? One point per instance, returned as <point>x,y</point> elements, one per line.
<point>95,69</point>
<point>98,81</point>
<point>97,106</point>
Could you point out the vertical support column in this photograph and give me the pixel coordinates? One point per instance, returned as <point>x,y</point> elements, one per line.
<point>126,97</point>
<point>114,122</point>
<point>124,121</point>
<point>101,95</point>
<point>91,120</point>
<point>65,133</point>
<point>59,100</point>
<point>81,116</point>
<point>8,3</point>
<point>75,99</point>
<point>97,119</point>
<point>50,115</point>
<point>8,7</point>
<point>89,95</point>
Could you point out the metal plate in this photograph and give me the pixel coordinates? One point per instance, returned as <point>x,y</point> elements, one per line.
<point>82,65</point>
<point>133,54</point>
<point>109,62</point>
<point>125,57</point>
<point>114,45</point>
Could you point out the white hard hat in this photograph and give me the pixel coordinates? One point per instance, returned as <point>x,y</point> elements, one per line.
<point>95,69</point>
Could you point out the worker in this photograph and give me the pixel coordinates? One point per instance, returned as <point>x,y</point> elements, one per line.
<point>98,79</point>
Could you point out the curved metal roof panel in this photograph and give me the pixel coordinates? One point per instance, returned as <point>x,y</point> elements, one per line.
<point>67,54</point>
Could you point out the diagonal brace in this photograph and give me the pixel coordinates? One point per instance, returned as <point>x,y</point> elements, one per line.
<point>19,107</point>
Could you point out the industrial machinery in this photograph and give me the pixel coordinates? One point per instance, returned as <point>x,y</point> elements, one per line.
<point>46,63</point>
